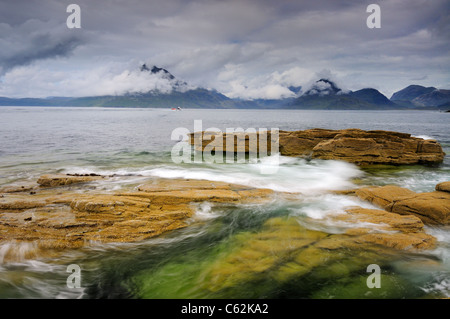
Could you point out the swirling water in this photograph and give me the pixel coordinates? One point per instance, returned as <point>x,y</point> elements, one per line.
<point>135,145</point>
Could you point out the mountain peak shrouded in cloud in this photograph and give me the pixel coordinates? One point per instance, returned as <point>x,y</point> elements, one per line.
<point>323,87</point>
<point>156,70</point>
<point>163,74</point>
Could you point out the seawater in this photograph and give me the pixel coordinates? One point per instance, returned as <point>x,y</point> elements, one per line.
<point>134,145</point>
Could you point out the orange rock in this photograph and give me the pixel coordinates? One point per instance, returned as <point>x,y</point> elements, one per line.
<point>351,145</point>
<point>443,187</point>
<point>53,180</point>
<point>57,218</point>
<point>432,208</point>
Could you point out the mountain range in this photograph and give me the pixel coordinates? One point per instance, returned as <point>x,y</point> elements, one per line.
<point>323,94</point>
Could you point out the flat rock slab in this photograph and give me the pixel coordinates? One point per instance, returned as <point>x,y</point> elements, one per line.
<point>443,187</point>
<point>54,180</point>
<point>58,217</point>
<point>432,207</point>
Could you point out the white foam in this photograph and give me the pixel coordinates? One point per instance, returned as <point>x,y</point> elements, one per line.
<point>292,176</point>
<point>326,205</point>
<point>204,212</point>
<point>16,251</point>
<point>440,286</point>
<point>425,137</point>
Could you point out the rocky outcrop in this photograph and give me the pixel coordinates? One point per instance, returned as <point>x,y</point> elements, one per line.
<point>388,229</point>
<point>443,187</point>
<point>351,145</point>
<point>431,207</point>
<point>59,217</point>
<point>53,180</point>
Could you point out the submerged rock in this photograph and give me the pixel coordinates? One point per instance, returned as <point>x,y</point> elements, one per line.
<point>284,249</point>
<point>351,145</point>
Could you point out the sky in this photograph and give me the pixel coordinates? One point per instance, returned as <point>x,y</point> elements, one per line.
<point>244,48</point>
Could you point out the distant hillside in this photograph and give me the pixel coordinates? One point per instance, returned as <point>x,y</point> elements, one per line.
<point>324,94</point>
<point>434,98</point>
<point>198,98</point>
<point>411,92</point>
<point>420,96</point>
<point>373,96</point>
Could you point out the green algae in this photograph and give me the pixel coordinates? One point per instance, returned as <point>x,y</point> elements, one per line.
<point>280,258</point>
<point>391,287</point>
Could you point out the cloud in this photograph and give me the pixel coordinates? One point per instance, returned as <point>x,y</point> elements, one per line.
<point>36,40</point>
<point>245,48</point>
<point>109,79</point>
<point>420,78</point>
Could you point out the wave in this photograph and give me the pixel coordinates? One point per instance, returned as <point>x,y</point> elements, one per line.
<point>425,137</point>
<point>296,175</point>
<point>291,174</point>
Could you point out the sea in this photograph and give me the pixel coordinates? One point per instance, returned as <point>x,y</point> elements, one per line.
<point>136,144</point>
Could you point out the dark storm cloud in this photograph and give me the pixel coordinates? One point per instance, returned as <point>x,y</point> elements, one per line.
<point>39,47</point>
<point>32,31</point>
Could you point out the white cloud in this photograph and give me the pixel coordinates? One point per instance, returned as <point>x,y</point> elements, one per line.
<point>110,79</point>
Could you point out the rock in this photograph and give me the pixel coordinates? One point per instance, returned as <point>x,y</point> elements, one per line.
<point>16,189</point>
<point>351,145</point>
<point>443,187</point>
<point>379,147</point>
<point>164,185</point>
<point>57,218</point>
<point>432,208</point>
<point>283,249</point>
<point>384,220</point>
<point>54,180</point>
<point>383,196</point>
<point>399,240</point>
<point>404,231</point>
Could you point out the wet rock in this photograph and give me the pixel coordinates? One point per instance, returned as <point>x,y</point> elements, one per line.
<point>16,189</point>
<point>383,196</point>
<point>284,250</point>
<point>379,147</point>
<point>443,187</point>
<point>54,180</point>
<point>264,251</point>
<point>384,220</point>
<point>351,145</point>
<point>432,207</point>
<point>58,218</point>
<point>403,241</point>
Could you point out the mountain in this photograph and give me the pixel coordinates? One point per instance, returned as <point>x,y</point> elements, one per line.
<point>419,96</point>
<point>195,98</point>
<point>434,98</point>
<point>411,92</point>
<point>155,70</point>
<point>323,87</point>
<point>325,94</point>
<point>166,91</point>
<point>372,96</point>
<point>180,95</point>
